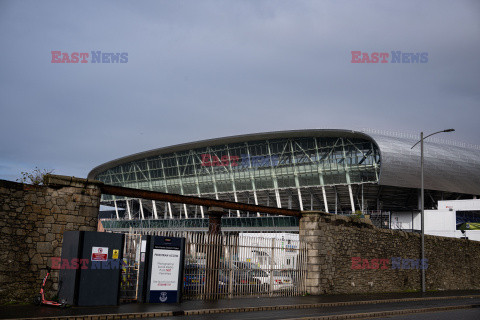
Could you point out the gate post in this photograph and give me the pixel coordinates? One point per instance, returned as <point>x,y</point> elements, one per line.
<point>315,239</point>
<point>214,252</point>
<point>215,220</point>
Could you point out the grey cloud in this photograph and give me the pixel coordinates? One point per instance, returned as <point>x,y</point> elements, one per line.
<point>204,69</point>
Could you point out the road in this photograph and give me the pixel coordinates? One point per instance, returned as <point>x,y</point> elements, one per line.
<point>317,312</point>
<point>464,314</point>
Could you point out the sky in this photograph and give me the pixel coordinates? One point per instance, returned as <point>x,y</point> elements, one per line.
<point>207,69</point>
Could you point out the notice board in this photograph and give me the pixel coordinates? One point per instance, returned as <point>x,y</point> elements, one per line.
<point>166,269</point>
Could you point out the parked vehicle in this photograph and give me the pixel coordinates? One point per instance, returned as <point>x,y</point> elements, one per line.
<point>245,281</point>
<point>281,279</point>
<point>245,265</point>
<point>242,280</point>
<point>40,297</point>
<point>275,280</point>
<point>194,278</point>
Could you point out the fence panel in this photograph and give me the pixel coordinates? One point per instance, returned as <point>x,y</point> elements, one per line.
<point>227,266</point>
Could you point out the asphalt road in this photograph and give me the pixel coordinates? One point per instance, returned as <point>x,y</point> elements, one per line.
<point>433,299</point>
<point>463,314</point>
<point>316,312</point>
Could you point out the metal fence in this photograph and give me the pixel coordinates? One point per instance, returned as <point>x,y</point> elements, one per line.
<point>381,219</point>
<point>130,268</point>
<point>229,266</point>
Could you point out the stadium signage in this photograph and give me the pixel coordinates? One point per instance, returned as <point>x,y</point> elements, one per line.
<point>244,161</point>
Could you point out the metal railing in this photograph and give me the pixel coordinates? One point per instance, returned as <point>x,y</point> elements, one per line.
<point>230,266</point>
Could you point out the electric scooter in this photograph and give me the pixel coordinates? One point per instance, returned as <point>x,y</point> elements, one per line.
<point>40,298</point>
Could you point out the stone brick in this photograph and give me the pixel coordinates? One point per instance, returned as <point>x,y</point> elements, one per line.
<point>49,237</point>
<point>44,247</point>
<point>58,228</point>
<point>57,252</point>
<point>71,206</point>
<point>329,258</point>
<point>37,259</point>
<point>34,232</point>
<point>80,220</point>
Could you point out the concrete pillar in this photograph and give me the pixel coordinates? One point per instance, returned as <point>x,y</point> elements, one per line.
<point>331,241</point>
<point>312,235</point>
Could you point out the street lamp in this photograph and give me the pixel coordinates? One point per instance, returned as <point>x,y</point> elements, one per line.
<point>422,201</point>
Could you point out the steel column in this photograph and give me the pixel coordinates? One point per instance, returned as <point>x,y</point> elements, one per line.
<point>166,187</point>
<point>252,177</point>
<point>295,173</point>
<point>181,184</point>
<point>128,210</point>
<point>141,209</point>
<point>274,177</point>
<point>155,214</point>
<point>116,209</point>
<point>197,184</point>
<point>320,176</point>
<point>347,176</point>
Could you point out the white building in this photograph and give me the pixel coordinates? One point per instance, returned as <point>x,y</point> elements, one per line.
<point>269,250</point>
<point>443,221</point>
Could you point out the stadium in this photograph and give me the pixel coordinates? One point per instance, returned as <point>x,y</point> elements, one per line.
<point>336,171</point>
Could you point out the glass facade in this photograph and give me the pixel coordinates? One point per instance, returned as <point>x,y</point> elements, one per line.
<point>276,164</point>
<point>336,171</point>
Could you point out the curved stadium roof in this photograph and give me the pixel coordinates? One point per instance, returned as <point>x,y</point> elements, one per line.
<point>448,167</point>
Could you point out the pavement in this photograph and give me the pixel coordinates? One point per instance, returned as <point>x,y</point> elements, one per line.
<point>463,299</point>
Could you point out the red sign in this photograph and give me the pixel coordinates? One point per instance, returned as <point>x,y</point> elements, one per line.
<point>99,254</point>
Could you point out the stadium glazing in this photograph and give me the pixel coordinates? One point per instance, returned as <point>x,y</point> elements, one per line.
<point>329,170</point>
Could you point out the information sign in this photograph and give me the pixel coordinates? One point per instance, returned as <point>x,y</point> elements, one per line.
<point>166,269</point>
<point>99,254</point>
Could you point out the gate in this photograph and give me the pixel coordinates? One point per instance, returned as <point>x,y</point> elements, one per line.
<point>228,266</point>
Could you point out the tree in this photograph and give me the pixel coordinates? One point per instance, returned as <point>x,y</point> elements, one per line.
<point>36,177</point>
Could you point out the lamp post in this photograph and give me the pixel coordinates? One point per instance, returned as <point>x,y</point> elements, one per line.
<point>422,201</point>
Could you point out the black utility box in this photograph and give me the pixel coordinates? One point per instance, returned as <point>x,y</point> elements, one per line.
<point>91,268</point>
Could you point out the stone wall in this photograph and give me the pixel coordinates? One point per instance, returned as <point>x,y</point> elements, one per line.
<point>32,222</point>
<point>350,255</point>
